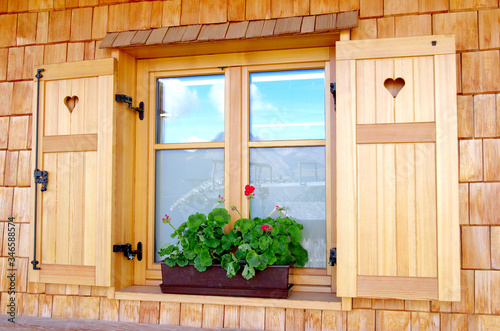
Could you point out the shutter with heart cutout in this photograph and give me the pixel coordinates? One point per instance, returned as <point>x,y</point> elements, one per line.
<point>397,169</point>
<point>76,147</point>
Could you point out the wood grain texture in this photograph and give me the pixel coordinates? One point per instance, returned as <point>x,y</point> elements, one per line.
<point>483,292</point>
<point>81,24</point>
<point>413,25</point>
<point>398,287</point>
<point>425,321</point>
<point>480,71</point>
<point>463,197</point>
<point>491,153</point>
<point>469,4</point>
<point>393,320</point>
<point>26,29</point>
<point>70,143</point>
<point>129,311</point>
<point>485,118</point>
<point>252,318</point>
<point>89,308</point>
<point>476,247</point>
<point>8,27</point>
<point>255,10</point>
<point>99,22</point>
<point>361,319</point>
<point>466,39</point>
<point>191,315</point>
<point>190,12</point>
<point>333,320</point>
<point>495,247</point>
<point>294,319</point>
<point>312,319</point>
<point>68,274</point>
<point>149,312</point>
<point>139,15</point>
<point>391,133</point>
<point>275,319</point>
<point>170,313</point>
<point>471,157</point>
<point>489,28</point>
<point>465,116</point>
<point>392,7</point>
<point>428,6</point>
<point>466,303</point>
<point>213,316</point>
<point>484,203</point>
<point>109,309</point>
<point>213,11</point>
<point>59,26</point>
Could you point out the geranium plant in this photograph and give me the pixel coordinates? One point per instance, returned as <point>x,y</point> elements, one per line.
<point>253,243</point>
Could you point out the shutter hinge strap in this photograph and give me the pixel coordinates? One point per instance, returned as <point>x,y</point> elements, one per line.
<point>333,256</point>
<point>41,177</point>
<point>333,91</point>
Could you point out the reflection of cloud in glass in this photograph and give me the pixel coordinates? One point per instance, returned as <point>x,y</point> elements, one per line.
<point>185,98</point>
<point>257,100</point>
<point>216,96</point>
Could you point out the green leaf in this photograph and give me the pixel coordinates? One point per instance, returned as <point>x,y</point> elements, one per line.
<point>212,242</point>
<point>246,225</point>
<point>271,258</point>
<point>195,221</point>
<point>166,249</point>
<point>190,255</point>
<point>248,272</point>
<point>253,259</point>
<point>295,234</point>
<point>197,264</point>
<point>265,242</point>
<point>244,248</point>
<point>299,253</point>
<point>220,216</point>
<point>170,262</point>
<point>205,258</point>
<point>182,261</point>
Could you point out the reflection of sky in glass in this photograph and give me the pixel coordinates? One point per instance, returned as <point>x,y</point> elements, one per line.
<point>187,181</point>
<point>294,178</point>
<point>287,105</point>
<point>190,109</point>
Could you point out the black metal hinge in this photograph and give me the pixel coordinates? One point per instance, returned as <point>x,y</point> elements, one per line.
<point>333,91</point>
<point>128,252</point>
<point>333,256</point>
<point>41,177</point>
<point>127,99</point>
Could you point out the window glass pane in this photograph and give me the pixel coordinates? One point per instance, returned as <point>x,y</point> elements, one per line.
<point>190,109</point>
<point>294,178</point>
<point>187,181</point>
<point>287,105</point>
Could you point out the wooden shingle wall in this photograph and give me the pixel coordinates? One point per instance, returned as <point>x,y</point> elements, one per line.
<point>34,32</point>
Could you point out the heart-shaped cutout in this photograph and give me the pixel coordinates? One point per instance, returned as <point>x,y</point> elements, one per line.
<point>71,102</point>
<point>394,86</point>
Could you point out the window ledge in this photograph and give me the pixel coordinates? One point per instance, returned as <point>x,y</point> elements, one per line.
<point>297,300</point>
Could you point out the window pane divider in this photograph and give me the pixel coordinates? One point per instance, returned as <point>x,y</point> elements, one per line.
<point>189,145</point>
<point>287,143</point>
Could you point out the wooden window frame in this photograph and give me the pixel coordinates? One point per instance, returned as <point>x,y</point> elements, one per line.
<point>237,67</point>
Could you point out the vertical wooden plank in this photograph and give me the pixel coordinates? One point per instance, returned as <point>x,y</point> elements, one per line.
<point>171,13</point>
<point>11,163</point>
<point>139,15</point>
<point>129,311</point>
<point>105,169</point>
<point>417,305</point>
<point>282,8</point>
<point>63,115</point>
<point>149,312</point>
<point>90,102</point>
<point>62,306</point>
<point>464,116</point>
<point>448,233</point>
<point>15,64</point>
<point>294,319</point>
<point>367,210</point>
<point>405,210</point>
<point>191,315</point>
<point>489,28</point>
<point>45,305</point>
<point>425,205</point>
<point>50,108</point>
<point>346,179</point>
<point>312,320</point>
<point>384,101</point>
<point>89,208</point>
<point>424,89</point>
<point>393,320</point>
<point>361,319</point>
<point>392,7</point>
<point>170,313</point>
<point>89,308</point>
<point>275,319</point>
<point>324,6</point>
<point>256,10</point>
<point>77,116</point>
<point>252,318</point>
<point>213,316</point>
<point>371,8</point>
<point>232,317</point>
<point>425,321</point>
<point>463,196</point>
<point>81,24</point>
<point>190,10</point>
<point>365,94</point>
<point>484,204</point>
<point>413,25</point>
<point>485,121</point>
<point>333,320</point>
<point>109,309</point>
<point>404,103</point>
<point>59,26</point>
<point>62,207</point>
<point>386,210</point>
<point>76,200</point>
<point>480,71</point>
<point>99,22</point>
<point>18,132</point>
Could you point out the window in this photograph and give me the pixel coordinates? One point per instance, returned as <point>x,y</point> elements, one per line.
<point>257,123</point>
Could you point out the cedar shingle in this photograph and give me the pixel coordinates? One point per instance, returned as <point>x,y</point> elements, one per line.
<point>254,29</point>
<point>325,22</point>
<point>108,40</point>
<point>124,38</point>
<point>347,20</point>
<point>308,23</point>
<point>191,33</point>
<point>268,28</point>
<point>237,30</point>
<point>174,34</point>
<point>213,32</point>
<point>156,36</point>
<point>140,37</point>
<point>288,25</point>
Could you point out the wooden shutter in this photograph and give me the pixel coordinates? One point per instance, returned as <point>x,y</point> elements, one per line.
<point>397,169</point>
<point>76,146</point>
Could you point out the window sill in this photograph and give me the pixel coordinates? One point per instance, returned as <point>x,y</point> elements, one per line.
<point>297,300</point>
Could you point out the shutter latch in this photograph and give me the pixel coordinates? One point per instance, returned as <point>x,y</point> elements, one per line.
<point>127,99</point>
<point>333,256</point>
<point>128,252</point>
<point>41,177</point>
<point>333,91</point>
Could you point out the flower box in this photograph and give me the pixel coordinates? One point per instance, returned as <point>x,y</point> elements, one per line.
<point>271,282</point>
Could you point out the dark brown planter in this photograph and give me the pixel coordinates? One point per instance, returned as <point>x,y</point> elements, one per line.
<point>271,282</point>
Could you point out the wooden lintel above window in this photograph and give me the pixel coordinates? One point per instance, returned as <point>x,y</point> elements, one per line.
<point>292,32</point>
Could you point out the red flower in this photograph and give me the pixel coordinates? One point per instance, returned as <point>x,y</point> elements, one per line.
<point>265,227</point>
<point>249,190</point>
